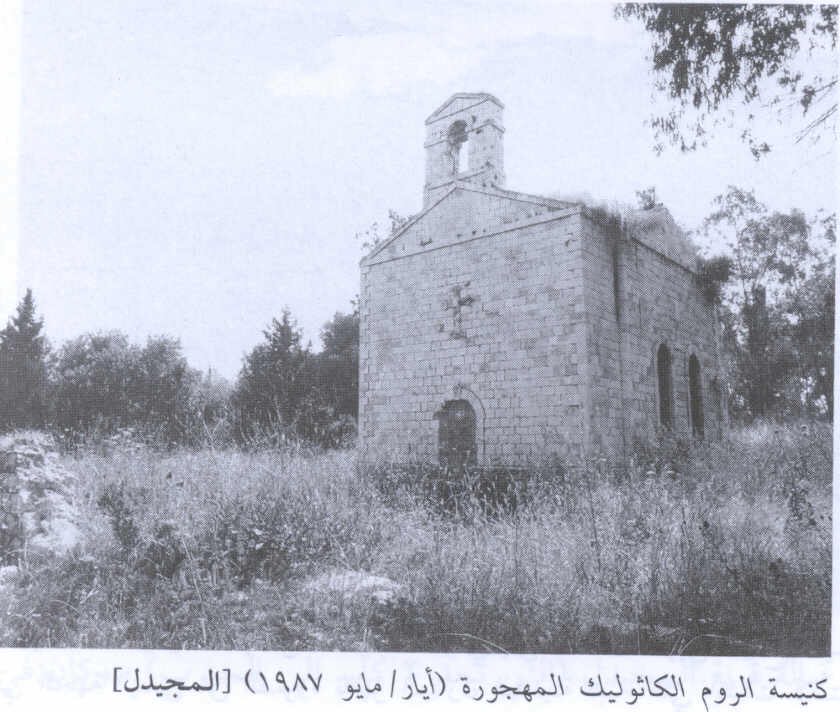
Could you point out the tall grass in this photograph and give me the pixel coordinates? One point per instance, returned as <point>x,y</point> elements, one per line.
<point>716,548</point>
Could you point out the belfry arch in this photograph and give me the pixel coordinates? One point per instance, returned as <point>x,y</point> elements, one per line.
<point>459,147</point>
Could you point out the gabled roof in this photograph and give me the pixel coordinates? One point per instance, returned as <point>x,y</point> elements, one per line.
<point>474,97</point>
<point>551,203</point>
<point>408,223</point>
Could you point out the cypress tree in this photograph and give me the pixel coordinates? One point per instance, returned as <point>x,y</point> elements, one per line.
<point>23,372</point>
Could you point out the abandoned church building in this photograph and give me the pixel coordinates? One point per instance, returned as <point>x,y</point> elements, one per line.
<point>498,327</point>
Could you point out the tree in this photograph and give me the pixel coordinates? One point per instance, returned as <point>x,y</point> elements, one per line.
<point>774,258</point>
<point>705,56</point>
<point>103,382</point>
<point>23,352</point>
<point>808,327</point>
<point>96,383</point>
<point>275,379</point>
<point>338,364</point>
<point>328,416</point>
<point>165,385</point>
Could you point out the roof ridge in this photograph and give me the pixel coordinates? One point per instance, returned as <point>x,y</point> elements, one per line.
<point>536,196</point>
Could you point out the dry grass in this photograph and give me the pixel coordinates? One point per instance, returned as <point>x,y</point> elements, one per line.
<point>725,548</point>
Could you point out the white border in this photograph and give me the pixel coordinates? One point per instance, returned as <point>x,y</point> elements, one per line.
<point>83,678</point>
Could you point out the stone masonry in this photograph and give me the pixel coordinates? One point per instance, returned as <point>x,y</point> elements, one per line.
<point>548,326</point>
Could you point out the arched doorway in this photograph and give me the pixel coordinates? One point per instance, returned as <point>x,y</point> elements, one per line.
<point>695,396</point>
<point>665,388</point>
<point>456,435</point>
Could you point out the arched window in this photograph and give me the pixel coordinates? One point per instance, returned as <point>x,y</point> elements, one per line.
<point>695,396</point>
<point>458,147</point>
<point>663,377</point>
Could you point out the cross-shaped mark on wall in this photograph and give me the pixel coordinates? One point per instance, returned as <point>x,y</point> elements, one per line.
<point>456,302</point>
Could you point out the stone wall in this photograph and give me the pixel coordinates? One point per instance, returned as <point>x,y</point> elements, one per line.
<point>543,315</point>
<point>603,388</point>
<point>545,318</point>
<point>514,349</point>
<point>648,300</point>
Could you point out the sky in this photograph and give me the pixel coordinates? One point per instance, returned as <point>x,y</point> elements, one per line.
<point>192,168</point>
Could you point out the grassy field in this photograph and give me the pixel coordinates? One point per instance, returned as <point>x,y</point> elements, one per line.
<point>721,549</point>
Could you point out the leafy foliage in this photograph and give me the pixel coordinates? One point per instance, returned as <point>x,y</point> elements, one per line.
<point>338,363</point>
<point>285,391</point>
<point>371,238</point>
<point>778,305</point>
<point>647,198</point>
<point>712,274</point>
<point>275,380</point>
<point>808,325</point>
<point>100,388</point>
<point>95,381</point>
<point>706,55</point>
<point>103,382</point>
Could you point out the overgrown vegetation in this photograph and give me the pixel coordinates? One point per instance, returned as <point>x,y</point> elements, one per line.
<point>285,390</point>
<point>776,305</point>
<point>99,388</point>
<point>690,549</point>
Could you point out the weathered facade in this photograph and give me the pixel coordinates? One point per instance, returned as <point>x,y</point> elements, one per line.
<point>498,327</point>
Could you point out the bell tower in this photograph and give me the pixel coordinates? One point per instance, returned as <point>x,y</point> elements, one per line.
<point>464,143</point>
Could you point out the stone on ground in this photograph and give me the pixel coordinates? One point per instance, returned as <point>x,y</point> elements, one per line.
<point>355,586</point>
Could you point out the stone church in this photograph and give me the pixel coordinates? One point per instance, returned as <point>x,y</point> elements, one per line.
<point>498,327</point>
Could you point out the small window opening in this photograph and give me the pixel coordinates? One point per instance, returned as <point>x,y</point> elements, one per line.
<point>663,375</point>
